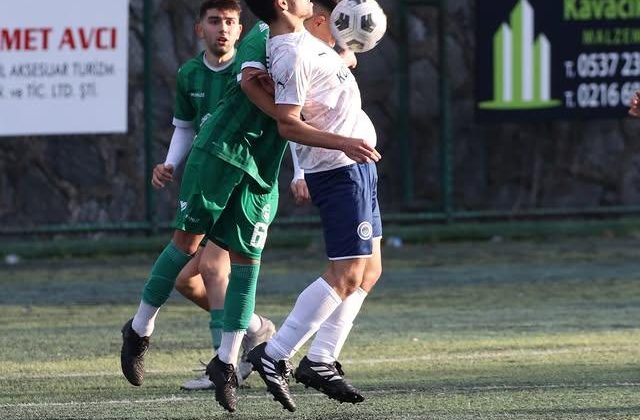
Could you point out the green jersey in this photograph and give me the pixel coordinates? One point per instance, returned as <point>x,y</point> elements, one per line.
<point>199,89</point>
<point>238,132</point>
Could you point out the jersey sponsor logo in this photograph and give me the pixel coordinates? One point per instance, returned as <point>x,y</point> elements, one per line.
<point>192,219</point>
<point>365,231</point>
<point>196,94</point>
<point>343,74</point>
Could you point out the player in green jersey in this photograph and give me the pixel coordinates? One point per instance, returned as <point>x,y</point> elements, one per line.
<point>201,83</point>
<point>229,192</point>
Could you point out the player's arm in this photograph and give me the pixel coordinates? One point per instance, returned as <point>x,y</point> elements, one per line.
<point>254,84</point>
<point>183,134</point>
<point>179,147</point>
<point>634,110</point>
<point>291,126</point>
<point>349,57</point>
<point>298,184</point>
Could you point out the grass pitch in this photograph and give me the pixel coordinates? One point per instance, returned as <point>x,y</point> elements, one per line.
<point>507,330</point>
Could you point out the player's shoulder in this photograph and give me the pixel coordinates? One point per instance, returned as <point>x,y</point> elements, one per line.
<point>258,33</point>
<point>195,63</point>
<point>299,49</point>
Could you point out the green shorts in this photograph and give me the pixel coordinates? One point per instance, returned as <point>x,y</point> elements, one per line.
<point>223,202</point>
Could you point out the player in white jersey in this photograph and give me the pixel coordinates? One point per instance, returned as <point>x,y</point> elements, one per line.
<point>318,103</point>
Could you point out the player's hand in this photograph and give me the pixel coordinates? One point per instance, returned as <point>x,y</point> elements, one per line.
<point>360,151</point>
<point>349,58</point>
<point>634,111</point>
<point>162,175</point>
<point>300,191</point>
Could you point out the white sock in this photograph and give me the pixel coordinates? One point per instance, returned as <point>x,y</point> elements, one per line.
<point>230,346</point>
<point>333,332</point>
<point>254,324</point>
<point>314,305</point>
<point>144,320</point>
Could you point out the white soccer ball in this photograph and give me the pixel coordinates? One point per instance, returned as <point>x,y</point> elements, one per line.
<point>358,25</point>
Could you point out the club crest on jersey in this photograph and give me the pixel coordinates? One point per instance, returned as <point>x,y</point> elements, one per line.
<point>365,231</point>
<point>266,213</point>
<point>183,205</point>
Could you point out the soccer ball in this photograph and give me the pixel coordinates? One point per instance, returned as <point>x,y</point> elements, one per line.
<point>358,24</point>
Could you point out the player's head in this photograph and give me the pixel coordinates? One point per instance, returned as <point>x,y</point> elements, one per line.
<point>219,25</point>
<point>270,11</point>
<point>318,24</point>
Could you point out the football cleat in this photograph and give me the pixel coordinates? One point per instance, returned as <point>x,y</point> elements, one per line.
<point>328,379</point>
<point>275,374</point>
<point>200,383</point>
<point>132,354</point>
<point>225,382</point>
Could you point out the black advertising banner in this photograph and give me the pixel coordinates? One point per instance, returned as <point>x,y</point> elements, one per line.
<point>544,59</point>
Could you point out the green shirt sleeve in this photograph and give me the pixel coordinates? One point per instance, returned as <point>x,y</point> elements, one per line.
<point>183,109</point>
<point>252,52</point>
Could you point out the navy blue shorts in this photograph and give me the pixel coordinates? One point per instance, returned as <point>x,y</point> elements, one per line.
<point>347,198</point>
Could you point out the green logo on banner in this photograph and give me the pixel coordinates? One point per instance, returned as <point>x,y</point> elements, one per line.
<point>521,65</point>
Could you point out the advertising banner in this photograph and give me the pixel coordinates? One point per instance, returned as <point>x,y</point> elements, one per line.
<point>63,67</point>
<point>543,59</point>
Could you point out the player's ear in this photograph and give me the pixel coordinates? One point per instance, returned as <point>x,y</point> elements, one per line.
<point>282,4</point>
<point>199,30</point>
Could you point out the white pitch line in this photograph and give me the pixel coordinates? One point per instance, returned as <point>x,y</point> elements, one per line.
<point>497,354</point>
<point>432,391</point>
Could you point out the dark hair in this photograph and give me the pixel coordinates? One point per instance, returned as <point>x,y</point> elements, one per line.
<point>327,4</point>
<point>220,5</point>
<point>263,9</point>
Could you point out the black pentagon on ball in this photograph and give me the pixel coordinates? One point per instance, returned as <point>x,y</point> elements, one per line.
<point>367,24</point>
<point>354,44</point>
<point>342,22</point>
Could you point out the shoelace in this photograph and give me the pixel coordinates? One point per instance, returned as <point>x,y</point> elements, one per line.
<point>230,375</point>
<point>142,345</point>
<point>286,368</point>
<point>202,368</point>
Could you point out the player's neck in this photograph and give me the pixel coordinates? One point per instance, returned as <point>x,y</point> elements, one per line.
<point>216,61</point>
<point>286,25</point>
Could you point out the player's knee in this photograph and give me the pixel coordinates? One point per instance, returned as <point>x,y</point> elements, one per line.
<point>370,278</point>
<point>349,282</point>
<point>212,274</point>
<point>187,243</point>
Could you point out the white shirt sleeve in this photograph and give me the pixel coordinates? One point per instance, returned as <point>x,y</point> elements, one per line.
<point>291,77</point>
<point>298,172</point>
<point>180,145</point>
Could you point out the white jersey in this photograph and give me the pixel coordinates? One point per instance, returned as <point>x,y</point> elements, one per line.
<point>309,73</point>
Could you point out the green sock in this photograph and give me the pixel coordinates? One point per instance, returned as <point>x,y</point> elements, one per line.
<point>240,300</point>
<point>163,275</point>
<point>216,323</point>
